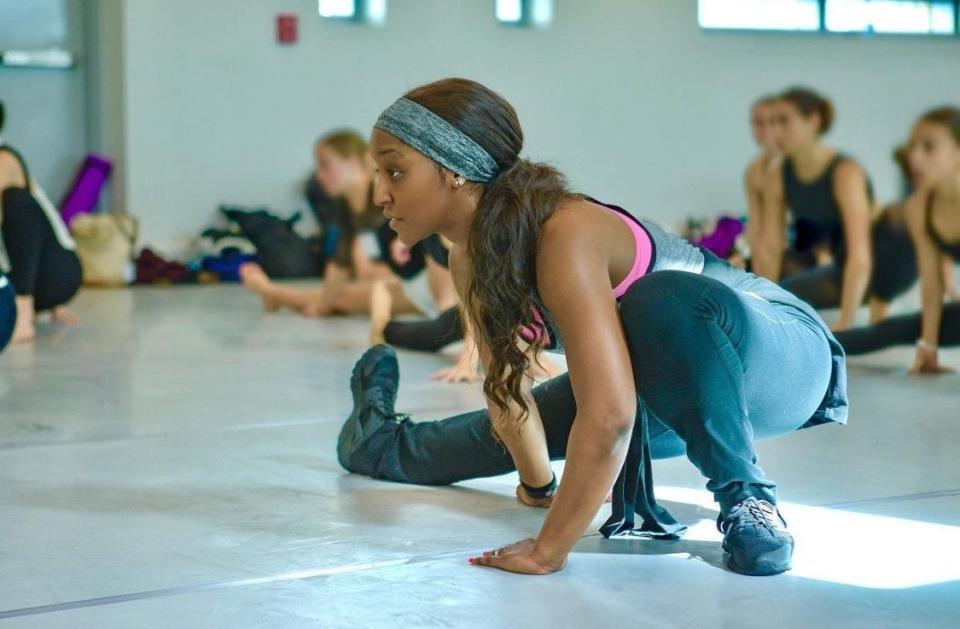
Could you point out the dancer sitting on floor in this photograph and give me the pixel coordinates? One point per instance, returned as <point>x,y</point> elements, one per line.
<point>838,254</point>
<point>348,229</point>
<point>670,350</point>
<point>36,250</point>
<point>933,216</point>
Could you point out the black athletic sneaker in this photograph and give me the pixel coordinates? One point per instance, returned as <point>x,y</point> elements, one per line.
<point>374,383</point>
<point>755,535</point>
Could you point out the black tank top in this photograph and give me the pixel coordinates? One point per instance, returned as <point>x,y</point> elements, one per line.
<point>815,212</point>
<point>12,195</point>
<point>950,249</point>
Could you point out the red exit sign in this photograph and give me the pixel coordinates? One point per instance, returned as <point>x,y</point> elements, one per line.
<point>287,28</point>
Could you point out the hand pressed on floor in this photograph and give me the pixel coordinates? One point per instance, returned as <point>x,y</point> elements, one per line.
<point>520,558</point>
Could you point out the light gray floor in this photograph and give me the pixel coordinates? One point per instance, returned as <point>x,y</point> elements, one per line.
<point>170,463</point>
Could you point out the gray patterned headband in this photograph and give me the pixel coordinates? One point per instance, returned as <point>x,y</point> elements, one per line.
<point>439,140</point>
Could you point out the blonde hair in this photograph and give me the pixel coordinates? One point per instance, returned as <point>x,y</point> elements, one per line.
<point>345,143</point>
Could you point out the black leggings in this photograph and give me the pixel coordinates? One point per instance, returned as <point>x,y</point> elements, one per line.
<point>8,311</point>
<point>894,267</point>
<point>903,330</point>
<point>40,266</point>
<point>430,335</point>
<point>719,360</point>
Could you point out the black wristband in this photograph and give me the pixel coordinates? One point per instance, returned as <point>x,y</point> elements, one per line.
<point>541,492</point>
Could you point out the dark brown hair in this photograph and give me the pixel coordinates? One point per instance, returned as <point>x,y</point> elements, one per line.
<point>947,116</point>
<point>345,143</point>
<point>502,246</point>
<point>809,102</point>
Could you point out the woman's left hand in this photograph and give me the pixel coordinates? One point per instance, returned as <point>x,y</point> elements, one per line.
<point>926,362</point>
<point>519,558</point>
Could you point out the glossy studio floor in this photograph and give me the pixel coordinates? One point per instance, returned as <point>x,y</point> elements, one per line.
<point>170,463</point>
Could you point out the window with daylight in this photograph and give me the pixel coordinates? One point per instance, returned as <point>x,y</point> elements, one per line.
<point>769,15</point>
<point>370,11</point>
<point>891,16</point>
<point>913,17</point>
<point>530,13</point>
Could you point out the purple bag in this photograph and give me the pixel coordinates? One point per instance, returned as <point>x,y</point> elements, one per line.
<point>85,192</point>
<point>724,236</point>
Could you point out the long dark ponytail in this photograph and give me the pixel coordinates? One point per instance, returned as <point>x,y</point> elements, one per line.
<point>502,246</point>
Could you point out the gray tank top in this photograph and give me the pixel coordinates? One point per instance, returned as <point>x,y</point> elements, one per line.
<point>671,252</point>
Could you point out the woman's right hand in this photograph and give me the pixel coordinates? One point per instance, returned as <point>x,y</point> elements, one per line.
<point>466,369</point>
<point>926,362</point>
<point>461,372</point>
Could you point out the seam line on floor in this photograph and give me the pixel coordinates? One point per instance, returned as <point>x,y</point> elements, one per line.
<point>302,575</point>
<point>944,493</point>
<point>26,445</point>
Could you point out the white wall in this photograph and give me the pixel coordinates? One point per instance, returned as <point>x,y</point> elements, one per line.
<point>630,97</point>
<point>46,109</point>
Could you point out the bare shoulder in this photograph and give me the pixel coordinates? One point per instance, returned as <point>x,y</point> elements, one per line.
<point>8,163</point>
<point>849,171</point>
<point>576,224</point>
<point>10,174</point>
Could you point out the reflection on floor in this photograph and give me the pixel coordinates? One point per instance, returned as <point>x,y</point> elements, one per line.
<point>170,463</point>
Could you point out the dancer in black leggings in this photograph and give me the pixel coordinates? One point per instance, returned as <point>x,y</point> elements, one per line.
<point>670,350</point>
<point>901,330</point>
<point>39,256</point>
<point>933,216</point>
<point>424,335</point>
<point>427,335</point>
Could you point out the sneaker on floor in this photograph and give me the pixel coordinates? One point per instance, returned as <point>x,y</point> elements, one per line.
<point>756,538</point>
<point>374,383</point>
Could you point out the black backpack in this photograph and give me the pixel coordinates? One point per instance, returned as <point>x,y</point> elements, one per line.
<point>281,251</point>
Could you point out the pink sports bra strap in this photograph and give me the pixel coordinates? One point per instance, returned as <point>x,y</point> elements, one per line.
<point>642,256</point>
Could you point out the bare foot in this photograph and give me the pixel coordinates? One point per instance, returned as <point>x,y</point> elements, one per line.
<point>64,316</point>
<point>461,372</point>
<point>314,310</point>
<point>23,332</point>
<point>255,279</point>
